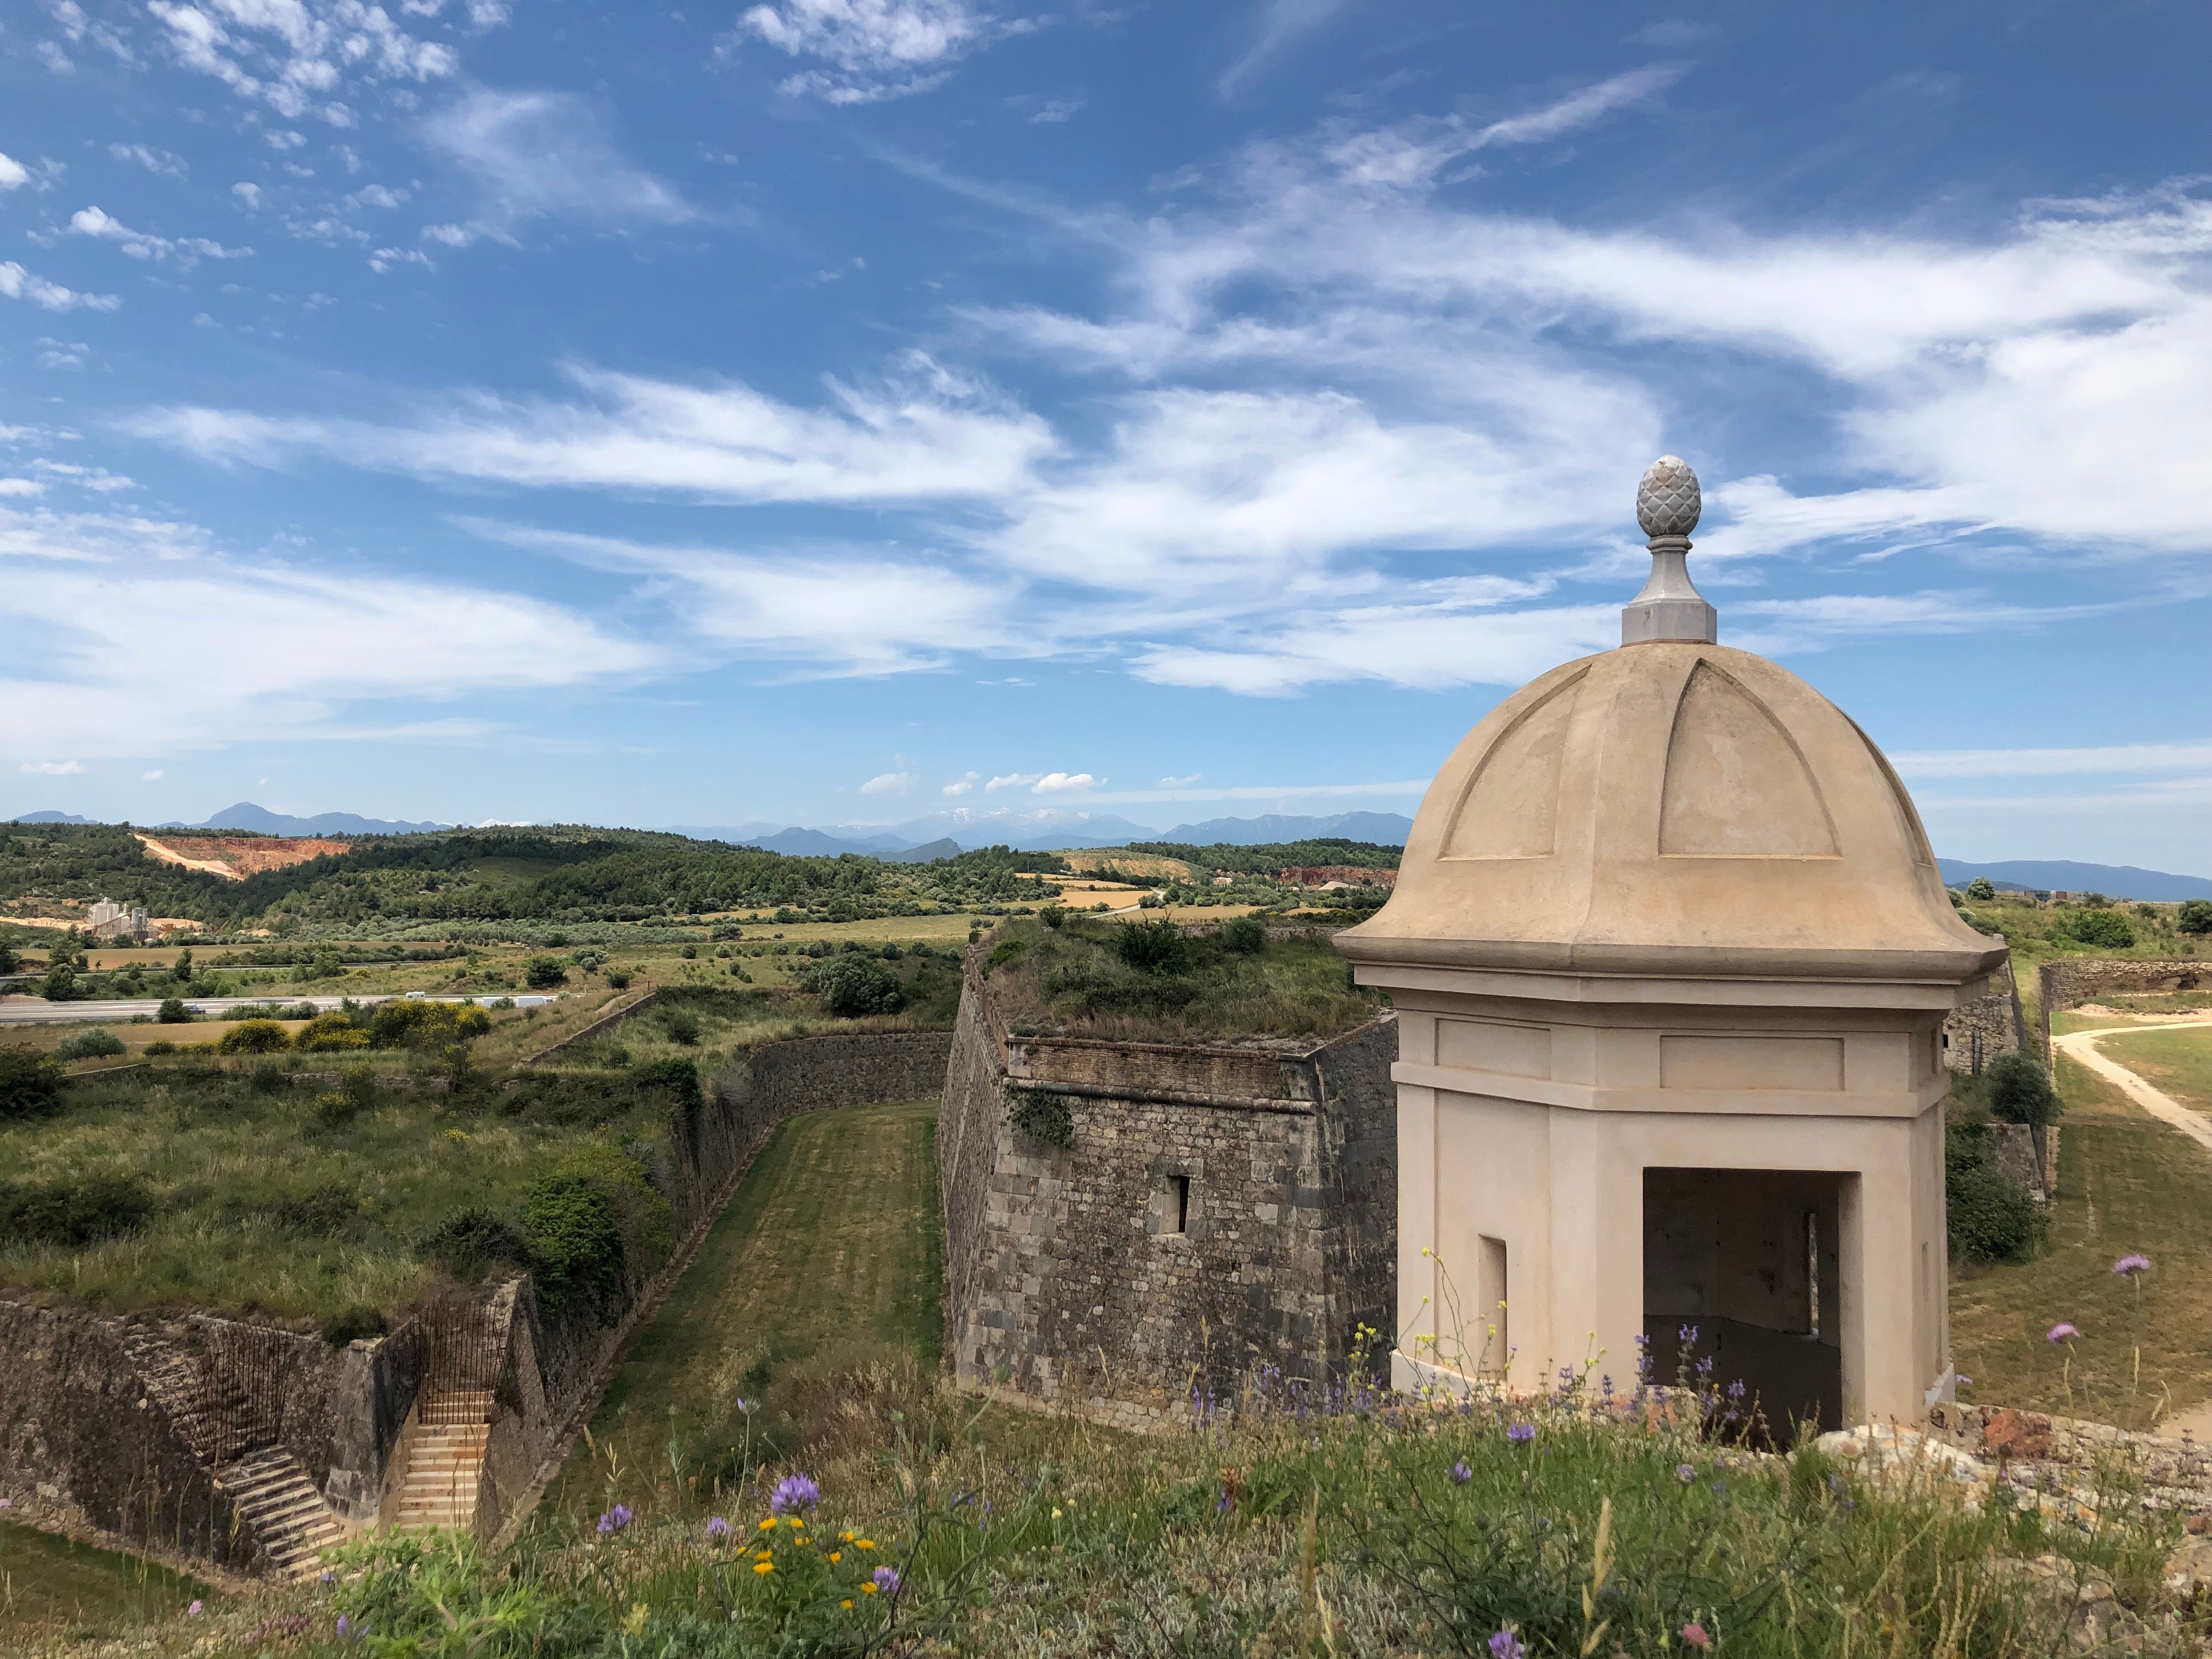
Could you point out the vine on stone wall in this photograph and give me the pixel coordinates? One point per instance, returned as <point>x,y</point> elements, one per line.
<point>1041,1115</point>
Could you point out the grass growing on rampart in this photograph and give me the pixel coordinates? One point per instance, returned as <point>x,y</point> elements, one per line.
<point>289,1190</point>
<point>2127,1183</point>
<point>1136,981</point>
<point>828,1259</point>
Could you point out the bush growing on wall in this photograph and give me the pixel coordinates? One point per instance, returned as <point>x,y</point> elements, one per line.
<point>472,1242</point>
<point>1155,947</point>
<point>1990,1217</point>
<point>30,1084</point>
<point>1040,1116</point>
<point>585,1223</point>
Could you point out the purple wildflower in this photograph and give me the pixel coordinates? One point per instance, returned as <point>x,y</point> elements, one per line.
<point>1964,1382</point>
<point>1460,1475</point>
<point>615,1519</point>
<point>886,1579</point>
<point>1688,1334</point>
<point>328,1577</point>
<point>1736,1390</point>
<point>195,1610</point>
<point>345,1627</point>
<point>1684,1474</point>
<point>1694,1635</point>
<point>1506,1645</point>
<point>1521,1432</point>
<point>792,1493</point>
<point>2062,1332</point>
<point>717,1528</point>
<point>2128,1266</point>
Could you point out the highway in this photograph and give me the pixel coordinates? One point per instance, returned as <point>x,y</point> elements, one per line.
<point>37,1011</point>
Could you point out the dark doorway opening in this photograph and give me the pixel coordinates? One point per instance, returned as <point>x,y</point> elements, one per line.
<point>1741,1292</point>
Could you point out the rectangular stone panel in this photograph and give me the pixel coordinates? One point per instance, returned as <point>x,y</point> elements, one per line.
<point>1491,1045</point>
<point>1750,1062</point>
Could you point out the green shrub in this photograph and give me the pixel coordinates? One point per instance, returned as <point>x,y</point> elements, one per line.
<point>351,1324</point>
<point>852,987</point>
<point>679,1076</point>
<point>95,1044</point>
<point>30,1084</point>
<point>255,1037</point>
<point>618,978</point>
<point>682,1026</point>
<point>161,1046</point>
<point>543,972</point>
<point>2108,930</point>
<point>2195,916</point>
<point>172,1012</point>
<point>60,985</point>
<point>472,1242</point>
<point>2019,1090</point>
<point>1247,935</point>
<point>575,1245</point>
<point>1004,951</point>
<point>336,1110</point>
<point>1153,947</point>
<point>419,1023</point>
<point>1990,1217</point>
<point>75,1210</point>
<point>1052,915</point>
<point>1041,1115</point>
<point>330,1033</point>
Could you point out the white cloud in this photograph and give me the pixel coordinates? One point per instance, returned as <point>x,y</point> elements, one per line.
<point>960,786</point>
<point>249,194</point>
<point>13,175</point>
<point>295,55</point>
<point>154,775</point>
<point>1012,780</point>
<point>888,783</point>
<point>153,638</point>
<point>1281,23</point>
<point>17,284</point>
<point>140,245</point>
<point>164,162</point>
<point>535,153</point>
<point>1415,153</point>
<point>1181,783</point>
<point>21,487</point>
<point>920,438</point>
<point>876,48</point>
<point>1057,783</point>
<point>54,769</point>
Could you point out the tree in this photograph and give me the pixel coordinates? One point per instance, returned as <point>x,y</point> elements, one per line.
<point>1981,888</point>
<point>9,962</point>
<point>1155,947</point>
<point>172,1012</point>
<point>2107,929</point>
<point>851,987</point>
<point>60,985</point>
<point>1246,934</point>
<point>543,973</point>
<point>2195,916</point>
<point>2018,1092</point>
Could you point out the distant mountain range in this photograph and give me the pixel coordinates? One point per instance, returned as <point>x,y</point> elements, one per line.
<point>2120,881</point>
<point>946,833</point>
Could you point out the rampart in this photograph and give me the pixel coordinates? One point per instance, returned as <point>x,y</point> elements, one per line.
<point>127,1426</point>
<point>2069,982</point>
<point>1977,1032</point>
<point>1190,1214</point>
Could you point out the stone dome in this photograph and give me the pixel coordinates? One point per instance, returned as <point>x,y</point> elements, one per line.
<point>1673,808</point>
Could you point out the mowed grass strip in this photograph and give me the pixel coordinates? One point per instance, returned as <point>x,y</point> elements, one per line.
<point>50,1584</point>
<point>2126,1183</point>
<point>829,1256</point>
<point>2178,1062</point>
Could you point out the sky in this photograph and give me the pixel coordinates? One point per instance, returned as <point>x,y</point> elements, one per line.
<point>840,411</point>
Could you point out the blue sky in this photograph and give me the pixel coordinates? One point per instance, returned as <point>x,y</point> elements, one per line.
<point>839,410</point>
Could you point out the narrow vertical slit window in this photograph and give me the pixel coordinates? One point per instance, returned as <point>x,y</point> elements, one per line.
<point>1812,1273</point>
<point>1178,1205</point>
<point>1493,1339</point>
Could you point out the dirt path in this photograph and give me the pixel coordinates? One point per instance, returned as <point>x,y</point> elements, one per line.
<point>2082,1045</point>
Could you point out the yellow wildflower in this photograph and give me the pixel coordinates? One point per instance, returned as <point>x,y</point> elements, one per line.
<point>863,1543</point>
<point>867,1590</point>
<point>769,1525</point>
<point>846,1603</point>
<point>764,1566</point>
<point>836,1556</point>
<point>845,1537</point>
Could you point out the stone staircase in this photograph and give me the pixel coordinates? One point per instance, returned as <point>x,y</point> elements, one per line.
<point>445,1464</point>
<point>288,1516</point>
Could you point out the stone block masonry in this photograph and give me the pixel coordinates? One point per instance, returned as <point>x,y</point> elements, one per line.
<point>1975,1033</point>
<point>1216,1213</point>
<point>2070,981</point>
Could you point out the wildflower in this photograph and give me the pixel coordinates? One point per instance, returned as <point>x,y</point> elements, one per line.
<point>7,1502</point>
<point>768,1526</point>
<point>846,1604</point>
<point>764,1566</point>
<point>886,1579</point>
<point>836,1556</point>
<point>1694,1635</point>
<point>1055,1514</point>
<point>2062,1331</point>
<point>1521,1432</point>
<point>863,1543</point>
<point>1460,1475</point>
<point>1964,1382</point>
<point>1506,1645</point>
<point>1736,1390</point>
<point>328,1577</point>
<point>795,1492</point>
<point>2128,1266</point>
<point>1684,1474</point>
<point>615,1519</point>
<point>345,1627</point>
<point>717,1528</point>
<point>1688,1334</point>
<point>195,1610</point>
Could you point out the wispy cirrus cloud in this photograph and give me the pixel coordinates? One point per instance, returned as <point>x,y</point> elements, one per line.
<point>537,153</point>
<point>141,245</point>
<point>870,50</point>
<point>17,284</point>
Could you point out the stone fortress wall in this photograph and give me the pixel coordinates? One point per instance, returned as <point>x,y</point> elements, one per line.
<point>2071,980</point>
<point>1215,1211</point>
<point>1977,1032</point>
<point>130,1426</point>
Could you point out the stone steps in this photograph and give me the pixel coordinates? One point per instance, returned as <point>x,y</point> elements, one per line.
<point>445,1464</point>
<point>289,1519</point>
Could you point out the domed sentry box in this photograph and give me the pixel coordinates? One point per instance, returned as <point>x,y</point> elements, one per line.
<point>1671,957</point>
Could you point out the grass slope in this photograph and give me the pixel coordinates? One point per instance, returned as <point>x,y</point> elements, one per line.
<point>49,1585</point>
<point>828,1258</point>
<point>2126,1182</point>
<point>2179,1062</point>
